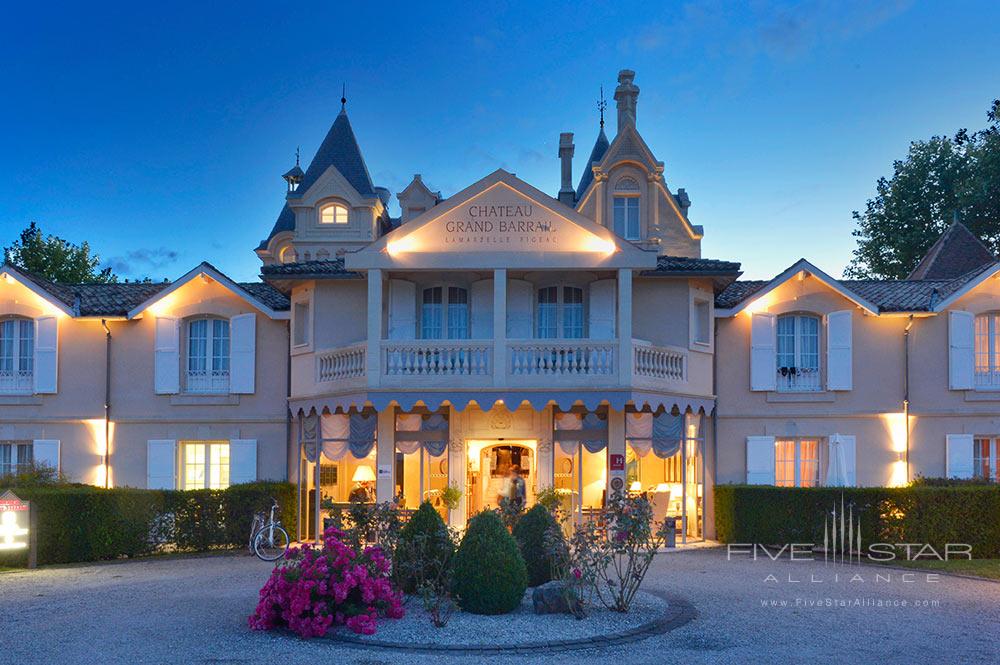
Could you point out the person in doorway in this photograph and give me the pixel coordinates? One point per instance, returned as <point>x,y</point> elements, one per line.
<point>518,488</point>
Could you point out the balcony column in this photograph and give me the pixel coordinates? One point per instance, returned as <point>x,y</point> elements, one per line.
<point>625,326</point>
<point>374,353</point>
<point>500,327</point>
<point>385,455</point>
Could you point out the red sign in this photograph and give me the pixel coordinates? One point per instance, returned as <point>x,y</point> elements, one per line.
<point>10,502</point>
<point>617,462</point>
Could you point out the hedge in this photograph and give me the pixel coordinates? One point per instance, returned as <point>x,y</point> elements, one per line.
<point>916,514</point>
<point>83,523</point>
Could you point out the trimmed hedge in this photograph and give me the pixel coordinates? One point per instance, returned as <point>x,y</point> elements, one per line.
<point>490,575</point>
<point>915,514</point>
<point>83,523</point>
<point>529,532</point>
<point>424,536</point>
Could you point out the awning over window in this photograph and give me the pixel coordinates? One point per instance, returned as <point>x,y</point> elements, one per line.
<point>570,429</point>
<point>339,434</point>
<point>429,430</point>
<point>662,433</point>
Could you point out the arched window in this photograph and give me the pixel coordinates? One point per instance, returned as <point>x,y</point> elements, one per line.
<point>208,356</point>
<point>333,213</point>
<point>559,313</point>
<point>17,355</point>
<point>626,209</point>
<point>286,254</point>
<point>988,350</point>
<point>323,255</point>
<point>798,352</point>
<point>440,318</point>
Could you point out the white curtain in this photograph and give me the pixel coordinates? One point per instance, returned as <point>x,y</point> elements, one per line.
<point>568,422</point>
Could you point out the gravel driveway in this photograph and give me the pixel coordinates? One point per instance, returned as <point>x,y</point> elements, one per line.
<point>193,610</point>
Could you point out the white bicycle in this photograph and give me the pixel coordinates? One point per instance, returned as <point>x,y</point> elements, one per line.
<point>268,539</point>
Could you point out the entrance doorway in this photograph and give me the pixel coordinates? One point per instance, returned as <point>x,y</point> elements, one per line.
<point>489,465</point>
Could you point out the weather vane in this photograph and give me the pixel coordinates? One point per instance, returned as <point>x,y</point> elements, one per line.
<point>343,96</point>
<point>601,105</point>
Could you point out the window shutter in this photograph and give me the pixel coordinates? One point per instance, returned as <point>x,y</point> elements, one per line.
<point>602,308</point>
<point>960,352</point>
<point>46,354</point>
<point>161,459</point>
<point>167,357</point>
<point>839,355</point>
<point>760,460</point>
<point>45,451</point>
<point>243,353</point>
<point>481,299</point>
<point>242,461</point>
<point>763,363</point>
<point>402,309</point>
<point>959,456</point>
<point>520,296</point>
<point>841,468</point>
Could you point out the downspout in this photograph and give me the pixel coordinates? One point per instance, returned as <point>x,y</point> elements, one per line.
<point>107,403</point>
<point>906,394</point>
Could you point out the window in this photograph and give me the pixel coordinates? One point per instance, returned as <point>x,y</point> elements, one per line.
<point>560,313</point>
<point>436,319</point>
<point>15,457</point>
<point>286,254</point>
<point>987,347</point>
<point>702,322</point>
<point>796,462</point>
<point>208,356</point>
<point>300,323</point>
<point>626,217</point>
<point>206,465</point>
<point>333,214</point>
<point>17,355</point>
<point>798,353</point>
<point>984,458</point>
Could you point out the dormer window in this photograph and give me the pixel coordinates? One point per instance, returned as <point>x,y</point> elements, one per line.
<point>333,214</point>
<point>626,209</point>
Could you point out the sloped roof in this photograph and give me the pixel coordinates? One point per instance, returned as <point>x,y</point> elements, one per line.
<point>597,154</point>
<point>687,265</point>
<point>331,268</point>
<point>957,252</point>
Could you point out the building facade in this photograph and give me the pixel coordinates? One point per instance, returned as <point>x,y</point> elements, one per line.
<point>581,338</point>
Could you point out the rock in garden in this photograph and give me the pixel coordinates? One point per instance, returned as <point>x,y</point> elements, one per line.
<point>553,598</point>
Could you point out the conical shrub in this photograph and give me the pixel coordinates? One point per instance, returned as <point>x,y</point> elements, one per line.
<point>423,547</point>
<point>530,536</point>
<point>490,575</point>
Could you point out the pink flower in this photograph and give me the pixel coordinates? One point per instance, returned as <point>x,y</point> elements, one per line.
<point>577,573</point>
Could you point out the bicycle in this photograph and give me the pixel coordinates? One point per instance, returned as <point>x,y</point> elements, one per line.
<point>268,539</point>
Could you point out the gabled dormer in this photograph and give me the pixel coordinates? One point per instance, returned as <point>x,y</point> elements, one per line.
<point>622,186</point>
<point>330,208</point>
<point>416,199</point>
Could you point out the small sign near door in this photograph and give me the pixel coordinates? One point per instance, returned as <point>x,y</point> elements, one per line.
<point>617,462</point>
<point>384,471</point>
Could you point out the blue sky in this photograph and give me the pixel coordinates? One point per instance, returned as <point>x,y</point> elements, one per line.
<point>160,135</point>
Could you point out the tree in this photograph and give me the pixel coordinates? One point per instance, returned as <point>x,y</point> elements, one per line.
<point>55,259</point>
<point>942,180</point>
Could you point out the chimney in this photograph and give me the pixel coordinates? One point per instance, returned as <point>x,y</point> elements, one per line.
<point>626,96</point>
<point>566,148</point>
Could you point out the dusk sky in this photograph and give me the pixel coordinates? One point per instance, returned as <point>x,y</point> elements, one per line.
<point>160,135</point>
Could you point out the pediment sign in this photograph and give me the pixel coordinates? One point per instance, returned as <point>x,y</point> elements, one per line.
<point>501,220</point>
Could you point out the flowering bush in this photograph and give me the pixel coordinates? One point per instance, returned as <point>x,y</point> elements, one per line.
<point>315,588</point>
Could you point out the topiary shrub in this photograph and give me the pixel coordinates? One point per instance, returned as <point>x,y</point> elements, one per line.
<point>423,542</point>
<point>490,575</point>
<point>530,536</point>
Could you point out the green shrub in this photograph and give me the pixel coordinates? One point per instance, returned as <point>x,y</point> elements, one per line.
<point>920,513</point>
<point>490,575</point>
<point>423,544</point>
<point>84,523</point>
<point>530,536</point>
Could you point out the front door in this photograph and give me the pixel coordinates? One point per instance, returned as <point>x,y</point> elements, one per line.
<point>491,463</point>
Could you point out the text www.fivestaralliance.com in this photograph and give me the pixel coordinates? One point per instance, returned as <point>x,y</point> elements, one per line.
<point>846,603</point>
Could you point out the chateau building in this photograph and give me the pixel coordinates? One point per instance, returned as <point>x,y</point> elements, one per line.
<point>580,337</point>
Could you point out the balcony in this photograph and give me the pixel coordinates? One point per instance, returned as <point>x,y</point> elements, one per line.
<point>530,363</point>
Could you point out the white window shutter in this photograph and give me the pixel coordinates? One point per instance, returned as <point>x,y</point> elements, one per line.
<point>763,361</point>
<point>961,360</point>
<point>520,297</point>
<point>603,294</point>
<point>45,452</point>
<point>760,460</point>
<point>46,354</point>
<point>243,353</point>
<point>161,461</point>
<point>839,355</point>
<point>167,356</point>
<point>959,462</point>
<point>242,461</point>
<point>481,300</point>
<point>841,467</point>
<point>402,309</point>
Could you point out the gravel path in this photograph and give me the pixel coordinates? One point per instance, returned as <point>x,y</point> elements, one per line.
<point>194,610</point>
